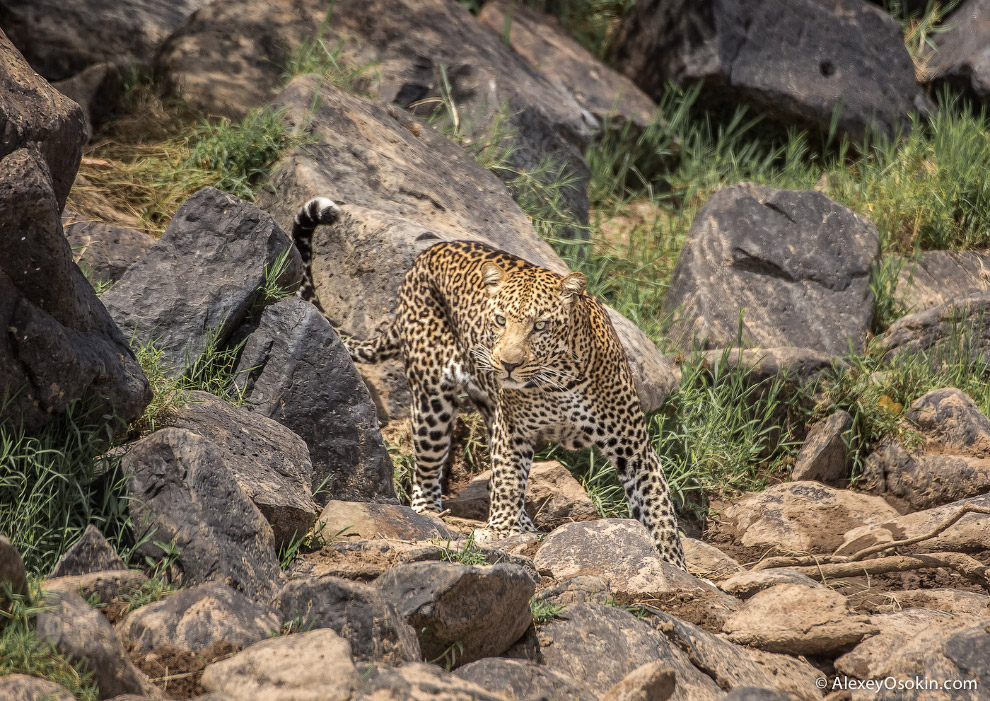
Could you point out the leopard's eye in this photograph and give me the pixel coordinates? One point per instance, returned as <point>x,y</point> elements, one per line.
<point>540,325</point>
<point>500,320</point>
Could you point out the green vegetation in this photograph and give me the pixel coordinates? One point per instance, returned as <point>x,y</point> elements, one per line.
<point>316,55</point>
<point>545,610</point>
<point>467,554</point>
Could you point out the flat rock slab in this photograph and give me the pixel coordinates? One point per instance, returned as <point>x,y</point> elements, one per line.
<point>707,561</point>
<point>23,687</point>
<point>359,612</point>
<point>418,680</point>
<point>794,60</point>
<point>798,620</point>
<point>936,277</point>
<point>82,634</point>
<point>748,583</point>
<point>619,551</point>
<point>483,610</point>
<point>182,488</point>
<point>363,520</point>
<point>522,679</point>
<point>792,267</point>
<point>948,600</point>
<point>180,307</point>
<point>310,665</point>
<point>734,667</point>
<point>294,369</point>
<point>949,418</point>
<point>106,250</point>
<point>801,517</point>
<point>91,553</point>
<point>197,618</point>
<point>824,456</point>
<point>970,533</point>
<point>270,462</point>
<point>601,645</point>
<point>936,331</point>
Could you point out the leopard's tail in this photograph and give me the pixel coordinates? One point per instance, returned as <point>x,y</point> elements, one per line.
<point>376,349</point>
<point>316,212</point>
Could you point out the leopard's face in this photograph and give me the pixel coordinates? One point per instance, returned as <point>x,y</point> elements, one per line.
<point>527,327</point>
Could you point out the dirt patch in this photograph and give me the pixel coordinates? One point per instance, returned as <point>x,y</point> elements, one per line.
<point>178,672</point>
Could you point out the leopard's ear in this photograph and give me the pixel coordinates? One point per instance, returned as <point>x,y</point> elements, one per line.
<point>493,275</point>
<point>573,285</point>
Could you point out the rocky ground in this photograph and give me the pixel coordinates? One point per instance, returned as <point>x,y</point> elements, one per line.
<point>271,557</point>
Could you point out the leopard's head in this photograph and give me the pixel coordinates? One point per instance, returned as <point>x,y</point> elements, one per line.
<point>527,326</point>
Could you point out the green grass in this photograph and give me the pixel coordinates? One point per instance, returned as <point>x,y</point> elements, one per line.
<point>317,55</point>
<point>545,610</point>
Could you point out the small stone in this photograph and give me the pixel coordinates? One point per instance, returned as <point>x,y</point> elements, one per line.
<point>654,681</point>
<point>748,583</point>
<point>824,455</point>
<point>346,520</point>
<point>522,679</point>
<point>707,561</point>
<point>91,553</point>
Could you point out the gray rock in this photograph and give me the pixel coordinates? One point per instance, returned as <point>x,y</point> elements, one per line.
<point>937,331</point>
<point>98,90</point>
<point>752,693</point>
<point>91,553</point>
<point>181,307</point>
<point>796,60</point>
<point>371,622</point>
<point>793,366</point>
<point>12,571</point>
<point>62,37</point>
<point>197,618</point>
<point>270,462</point>
<point>521,679</point>
<point>105,585</point>
<point>294,369</point>
<point>824,455</point>
<point>35,114</point>
<point>183,491</point>
<point>748,583</point>
<point>310,665</point>
<point>405,188</point>
<point>961,60</point>
<point>22,687</point>
<point>950,418</point>
<point>948,600</point>
<point>795,264</point>
<point>654,681</point>
<point>582,589</point>
<point>82,634</point>
<point>936,277</point>
<point>106,250</point>
<point>707,561</point>
<point>601,645</point>
<point>59,344</point>
<point>362,520</point>
<point>461,612</point>
<point>732,666</point>
<point>417,680</point>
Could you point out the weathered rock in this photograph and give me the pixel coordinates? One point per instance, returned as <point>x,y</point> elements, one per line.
<point>521,679</point>
<point>270,462</point>
<point>601,645</point>
<point>900,633</point>
<point>97,89</point>
<point>352,519</point>
<point>654,681</point>
<point>937,331</point>
<point>951,419</point>
<point>414,50</point>
<point>948,600</point>
<point>970,533</point>
<point>310,665</point>
<point>197,618</point>
<point>824,456</point>
<point>294,369</point>
<point>357,612</point>
<point>483,610</point>
<point>552,50</point>
<point>106,250</point>
<point>582,589</point>
<point>796,61</point>
<point>553,497</point>
<point>82,634</point>
<point>732,666</point>
<point>620,551</point>
<point>748,583</point>
<point>22,687</point>
<point>752,693</point>
<point>12,571</point>
<point>933,278</point>
<point>91,553</point>
<point>406,188</point>
<point>924,480</point>
<point>35,114</point>
<point>793,366</point>
<point>801,516</point>
<point>59,344</point>
<point>961,60</point>
<point>60,38</point>
<point>106,585</point>
<point>182,308</point>
<point>417,680</point>
<point>182,488</point>
<point>794,264</point>
<point>798,620</point>
<point>707,561</point>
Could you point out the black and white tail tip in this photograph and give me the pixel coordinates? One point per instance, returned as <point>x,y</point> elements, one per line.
<point>318,211</point>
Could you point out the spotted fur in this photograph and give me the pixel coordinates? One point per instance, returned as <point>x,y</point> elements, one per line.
<point>316,212</point>
<point>541,361</point>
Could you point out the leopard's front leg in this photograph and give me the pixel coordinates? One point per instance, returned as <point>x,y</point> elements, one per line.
<point>512,456</point>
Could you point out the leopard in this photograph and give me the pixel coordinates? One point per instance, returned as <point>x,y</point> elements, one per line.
<point>538,357</point>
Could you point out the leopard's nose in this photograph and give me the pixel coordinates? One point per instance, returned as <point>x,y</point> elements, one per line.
<point>509,367</point>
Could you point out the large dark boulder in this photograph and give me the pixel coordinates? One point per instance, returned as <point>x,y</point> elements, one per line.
<point>295,370</point>
<point>107,250</point>
<point>796,60</point>
<point>201,279</point>
<point>784,267</point>
<point>58,343</point>
<point>932,278</point>
<point>961,60</point>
